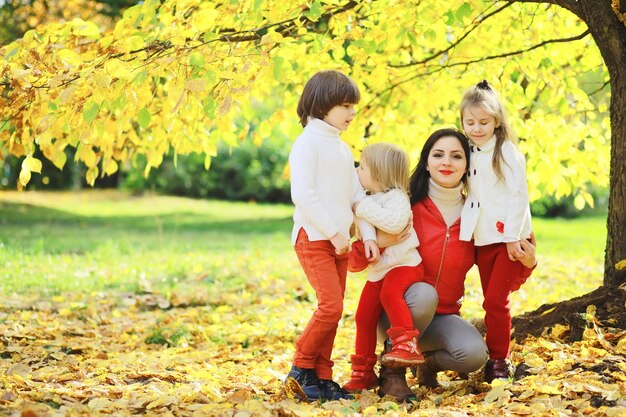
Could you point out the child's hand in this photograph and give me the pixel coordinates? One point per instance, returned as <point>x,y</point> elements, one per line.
<point>528,259</point>
<point>514,249</point>
<point>341,243</point>
<point>372,253</point>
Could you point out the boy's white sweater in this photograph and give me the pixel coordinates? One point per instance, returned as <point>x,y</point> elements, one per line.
<point>390,211</point>
<point>324,183</point>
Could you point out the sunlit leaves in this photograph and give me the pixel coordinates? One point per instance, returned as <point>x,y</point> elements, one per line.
<point>174,75</point>
<point>29,165</point>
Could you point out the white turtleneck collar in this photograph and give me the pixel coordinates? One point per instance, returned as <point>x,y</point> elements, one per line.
<point>449,201</point>
<point>321,128</point>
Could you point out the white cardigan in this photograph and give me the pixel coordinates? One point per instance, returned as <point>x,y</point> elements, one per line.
<point>324,184</point>
<point>496,211</point>
<point>390,211</point>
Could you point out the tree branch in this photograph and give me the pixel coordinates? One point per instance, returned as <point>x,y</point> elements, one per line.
<point>521,51</point>
<point>475,25</point>
<point>571,5</point>
<point>466,63</point>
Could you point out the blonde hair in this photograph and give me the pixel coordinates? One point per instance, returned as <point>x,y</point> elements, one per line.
<point>482,95</point>
<point>388,164</point>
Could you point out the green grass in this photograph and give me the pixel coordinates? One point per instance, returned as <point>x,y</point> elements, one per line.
<point>90,241</point>
<point>98,241</point>
<point>578,238</point>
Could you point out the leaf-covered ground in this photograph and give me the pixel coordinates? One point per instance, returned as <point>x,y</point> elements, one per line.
<point>226,353</point>
<point>218,339</point>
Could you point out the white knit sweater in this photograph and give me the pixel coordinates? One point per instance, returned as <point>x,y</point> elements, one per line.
<point>390,211</point>
<point>324,184</point>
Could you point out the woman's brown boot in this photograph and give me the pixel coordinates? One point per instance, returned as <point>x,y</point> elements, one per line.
<point>393,382</point>
<point>426,373</point>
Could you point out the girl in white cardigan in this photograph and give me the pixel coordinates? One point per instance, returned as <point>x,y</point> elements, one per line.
<point>384,172</point>
<point>496,214</point>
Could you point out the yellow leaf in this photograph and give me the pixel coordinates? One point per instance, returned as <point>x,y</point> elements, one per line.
<point>88,156</point>
<point>204,19</point>
<point>293,390</point>
<point>579,202</point>
<point>24,176</point>
<point>86,29</point>
<point>559,331</point>
<point>621,265</point>
<point>68,57</point>
<point>549,389</point>
<point>92,174</point>
<point>110,167</point>
<point>65,312</point>
<point>589,334</point>
<point>118,69</point>
<point>197,85</point>
<point>133,43</point>
<point>59,159</point>
<point>103,80</point>
<point>33,164</point>
<point>534,360</point>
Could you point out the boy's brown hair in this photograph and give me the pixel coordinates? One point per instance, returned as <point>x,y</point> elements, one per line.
<point>325,90</point>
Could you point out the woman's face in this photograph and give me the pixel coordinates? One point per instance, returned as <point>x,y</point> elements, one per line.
<point>447,162</point>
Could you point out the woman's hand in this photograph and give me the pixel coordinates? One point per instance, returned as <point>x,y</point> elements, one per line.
<point>385,239</point>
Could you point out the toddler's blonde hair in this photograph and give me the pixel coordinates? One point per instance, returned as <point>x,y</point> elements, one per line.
<point>388,164</point>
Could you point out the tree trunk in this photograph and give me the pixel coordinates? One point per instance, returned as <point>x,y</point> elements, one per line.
<point>609,34</point>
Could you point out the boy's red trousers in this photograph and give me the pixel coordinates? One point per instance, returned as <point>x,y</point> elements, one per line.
<point>326,272</point>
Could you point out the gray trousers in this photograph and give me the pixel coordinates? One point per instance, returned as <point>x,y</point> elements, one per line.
<point>452,341</point>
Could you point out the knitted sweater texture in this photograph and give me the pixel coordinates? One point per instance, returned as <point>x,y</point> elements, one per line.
<point>324,183</point>
<point>390,211</point>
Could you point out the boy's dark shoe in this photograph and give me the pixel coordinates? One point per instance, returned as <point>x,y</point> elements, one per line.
<point>308,382</point>
<point>332,391</point>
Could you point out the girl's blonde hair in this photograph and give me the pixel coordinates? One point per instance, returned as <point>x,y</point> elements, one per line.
<point>388,164</point>
<point>482,95</point>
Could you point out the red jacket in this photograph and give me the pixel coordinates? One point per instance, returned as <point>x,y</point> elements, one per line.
<point>446,259</point>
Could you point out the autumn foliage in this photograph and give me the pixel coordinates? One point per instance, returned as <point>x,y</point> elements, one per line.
<point>181,76</point>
